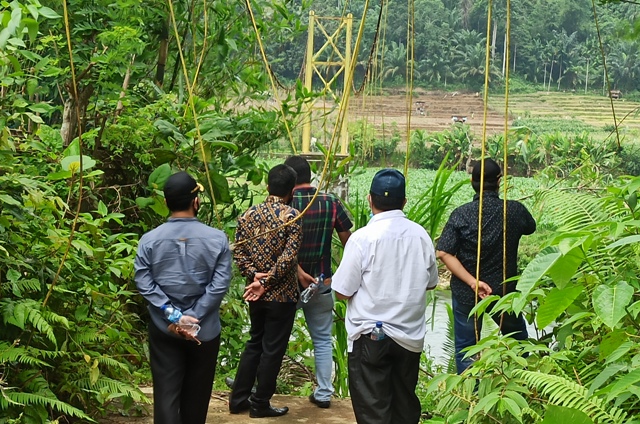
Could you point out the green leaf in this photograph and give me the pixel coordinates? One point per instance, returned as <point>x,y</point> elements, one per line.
<point>220,188</point>
<point>144,202</point>
<point>60,175</point>
<point>5,198</point>
<point>159,176</point>
<point>624,241</point>
<point>48,13</point>
<point>624,384</point>
<point>561,414</point>
<point>160,207</point>
<point>102,208</point>
<point>565,268</point>
<point>555,303</point>
<point>533,273</point>
<point>611,342</point>
<point>610,302</point>
<point>35,118</point>
<point>72,163</point>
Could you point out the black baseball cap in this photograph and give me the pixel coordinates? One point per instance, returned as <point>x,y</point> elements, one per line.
<point>388,182</point>
<point>181,186</point>
<point>492,171</point>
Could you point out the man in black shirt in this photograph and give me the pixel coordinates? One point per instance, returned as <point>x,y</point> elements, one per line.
<point>458,246</point>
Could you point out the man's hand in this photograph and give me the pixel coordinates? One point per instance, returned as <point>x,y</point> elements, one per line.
<point>183,332</point>
<point>304,278</point>
<point>253,291</point>
<point>484,289</point>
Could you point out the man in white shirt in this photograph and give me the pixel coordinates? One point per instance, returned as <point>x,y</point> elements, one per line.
<point>385,272</point>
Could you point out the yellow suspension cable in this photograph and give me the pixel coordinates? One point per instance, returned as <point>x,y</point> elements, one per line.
<point>409,95</point>
<point>505,144</point>
<point>191,102</point>
<point>270,73</point>
<point>483,152</point>
<point>332,144</point>
<point>81,178</point>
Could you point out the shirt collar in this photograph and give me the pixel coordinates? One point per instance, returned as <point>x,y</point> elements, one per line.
<point>396,213</point>
<point>274,199</point>
<point>304,190</point>
<point>182,219</point>
<point>487,194</point>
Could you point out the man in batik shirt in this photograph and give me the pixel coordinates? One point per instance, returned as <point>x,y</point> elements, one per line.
<point>266,248</point>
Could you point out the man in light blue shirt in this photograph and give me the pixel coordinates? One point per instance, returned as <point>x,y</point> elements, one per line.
<point>187,265</point>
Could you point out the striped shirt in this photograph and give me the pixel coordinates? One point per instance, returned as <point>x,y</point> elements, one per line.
<point>323,216</point>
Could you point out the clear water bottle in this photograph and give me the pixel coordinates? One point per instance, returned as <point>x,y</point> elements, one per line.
<point>377,333</point>
<point>308,293</point>
<point>172,313</point>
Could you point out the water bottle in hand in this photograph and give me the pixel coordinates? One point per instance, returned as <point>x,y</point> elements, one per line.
<point>171,313</point>
<point>377,333</point>
<point>308,293</point>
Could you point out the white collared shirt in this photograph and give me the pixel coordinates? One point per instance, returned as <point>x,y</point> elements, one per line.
<point>387,268</point>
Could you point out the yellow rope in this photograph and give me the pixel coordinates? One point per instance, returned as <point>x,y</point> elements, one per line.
<point>332,144</point>
<point>505,144</point>
<point>268,69</point>
<point>81,179</point>
<point>606,71</point>
<point>409,95</point>
<point>483,152</point>
<point>193,110</point>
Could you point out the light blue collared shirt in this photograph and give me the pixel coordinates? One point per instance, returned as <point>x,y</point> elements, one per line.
<point>188,264</point>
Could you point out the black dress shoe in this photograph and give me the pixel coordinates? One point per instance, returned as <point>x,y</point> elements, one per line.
<point>244,406</point>
<point>229,382</point>
<point>268,411</point>
<point>319,403</point>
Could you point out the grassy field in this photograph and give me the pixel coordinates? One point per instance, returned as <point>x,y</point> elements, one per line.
<point>571,112</point>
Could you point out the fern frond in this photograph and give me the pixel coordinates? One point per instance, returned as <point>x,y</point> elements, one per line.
<point>13,353</point>
<point>113,387</point>
<point>87,335</point>
<point>25,399</point>
<point>564,392</point>
<point>578,210</point>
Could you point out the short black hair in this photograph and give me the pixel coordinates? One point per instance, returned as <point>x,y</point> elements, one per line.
<point>383,203</point>
<point>281,180</point>
<point>179,205</point>
<point>302,168</point>
<point>488,186</point>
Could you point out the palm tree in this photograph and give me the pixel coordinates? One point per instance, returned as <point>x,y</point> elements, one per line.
<point>624,66</point>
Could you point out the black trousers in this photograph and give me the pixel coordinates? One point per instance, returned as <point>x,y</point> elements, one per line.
<point>183,373</point>
<point>382,380</point>
<point>271,324</point>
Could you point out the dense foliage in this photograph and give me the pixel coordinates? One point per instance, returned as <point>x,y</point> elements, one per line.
<point>553,44</point>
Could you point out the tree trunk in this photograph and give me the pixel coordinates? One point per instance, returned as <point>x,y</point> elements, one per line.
<point>73,113</point>
<point>163,52</point>
<point>493,41</point>
<point>550,76</point>
<point>586,79</point>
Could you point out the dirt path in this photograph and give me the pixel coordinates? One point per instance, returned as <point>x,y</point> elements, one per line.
<point>300,411</point>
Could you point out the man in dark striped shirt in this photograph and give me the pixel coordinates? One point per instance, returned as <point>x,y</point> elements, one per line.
<point>324,215</point>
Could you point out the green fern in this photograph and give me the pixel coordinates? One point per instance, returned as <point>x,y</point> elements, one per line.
<point>28,399</point>
<point>114,387</point>
<point>19,354</point>
<point>564,392</point>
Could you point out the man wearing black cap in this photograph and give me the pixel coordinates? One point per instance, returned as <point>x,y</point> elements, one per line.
<point>386,269</point>
<point>458,249</point>
<point>183,265</point>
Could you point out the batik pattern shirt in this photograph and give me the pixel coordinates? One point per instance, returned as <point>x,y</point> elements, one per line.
<point>324,215</point>
<point>460,238</point>
<point>268,240</point>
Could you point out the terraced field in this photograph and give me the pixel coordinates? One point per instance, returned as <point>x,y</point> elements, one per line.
<point>591,110</point>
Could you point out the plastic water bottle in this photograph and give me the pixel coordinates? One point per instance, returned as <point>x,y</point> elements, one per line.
<point>172,313</point>
<point>377,333</point>
<point>308,293</point>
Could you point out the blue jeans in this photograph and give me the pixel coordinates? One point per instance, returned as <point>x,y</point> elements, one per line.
<point>465,334</point>
<point>318,314</point>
